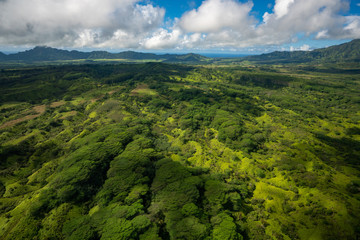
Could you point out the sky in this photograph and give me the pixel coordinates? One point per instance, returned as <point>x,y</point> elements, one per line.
<point>224,26</point>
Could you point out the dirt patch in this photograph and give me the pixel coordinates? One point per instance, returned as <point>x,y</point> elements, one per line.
<point>97,99</point>
<point>69,114</point>
<point>116,90</point>
<point>143,89</point>
<point>57,104</point>
<point>39,111</point>
<point>94,100</point>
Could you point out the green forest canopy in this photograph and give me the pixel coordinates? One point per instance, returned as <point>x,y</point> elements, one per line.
<point>159,151</point>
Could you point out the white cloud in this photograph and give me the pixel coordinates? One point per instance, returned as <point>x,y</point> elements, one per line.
<point>303,16</point>
<point>130,24</point>
<point>352,28</point>
<point>83,22</point>
<point>320,18</point>
<point>282,7</point>
<point>322,34</point>
<point>215,15</point>
<point>304,47</point>
<point>162,39</point>
<point>266,17</point>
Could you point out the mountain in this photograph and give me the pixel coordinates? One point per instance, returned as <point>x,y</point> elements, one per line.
<point>2,56</point>
<point>344,52</point>
<point>46,54</point>
<point>137,55</point>
<point>40,54</point>
<point>190,57</point>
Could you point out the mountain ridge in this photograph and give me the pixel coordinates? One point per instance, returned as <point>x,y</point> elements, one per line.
<point>349,51</point>
<point>345,52</point>
<point>44,53</point>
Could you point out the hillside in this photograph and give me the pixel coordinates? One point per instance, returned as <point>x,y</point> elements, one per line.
<point>340,53</point>
<point>167,151</point>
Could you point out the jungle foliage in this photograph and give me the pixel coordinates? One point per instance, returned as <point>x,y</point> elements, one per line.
<point>161,151</point>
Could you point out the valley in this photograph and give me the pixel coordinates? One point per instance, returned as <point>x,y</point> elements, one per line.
<point>174,151</point>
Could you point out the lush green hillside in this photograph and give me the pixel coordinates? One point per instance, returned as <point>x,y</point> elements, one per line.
<point>160,151</point>
<point>345,52</point>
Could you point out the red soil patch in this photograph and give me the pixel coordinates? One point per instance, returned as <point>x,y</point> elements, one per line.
<point>57,104</point>
<point>97,99</point>
<point>135,91</point>
<point>69,114</point>
<point>39,111</point>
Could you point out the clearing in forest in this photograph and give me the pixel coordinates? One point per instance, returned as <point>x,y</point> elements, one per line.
<point>40,109</point>
<point>143,90</point>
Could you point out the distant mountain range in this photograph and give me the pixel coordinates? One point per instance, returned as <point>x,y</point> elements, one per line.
<point>339,53</point>
<point>45,54</point>
<point>345,52</point>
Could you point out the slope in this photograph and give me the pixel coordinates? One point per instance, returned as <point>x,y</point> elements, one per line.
<point>340,53</point>
<point>163,151</point>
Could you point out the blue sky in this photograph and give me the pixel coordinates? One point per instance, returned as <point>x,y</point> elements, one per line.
<point>175,8</point>
<point>225,26</point>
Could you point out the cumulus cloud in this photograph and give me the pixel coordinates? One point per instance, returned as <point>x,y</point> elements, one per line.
<point>282,7</point>
<point>215,15</point>
<point>131,24</point>
<point>79,23</point>
<point>291,17</point>
<point>162,39</point>
<point>229,22</point>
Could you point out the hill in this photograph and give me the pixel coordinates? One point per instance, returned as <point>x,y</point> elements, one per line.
<point>339,53</point>
<point>170,151</point>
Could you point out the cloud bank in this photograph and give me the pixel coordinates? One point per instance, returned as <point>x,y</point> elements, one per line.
<point>132,24</point>
<point>120,23</point>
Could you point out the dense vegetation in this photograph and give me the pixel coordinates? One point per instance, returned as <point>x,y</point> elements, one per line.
<point>158,151</point>
<point>340,53</point>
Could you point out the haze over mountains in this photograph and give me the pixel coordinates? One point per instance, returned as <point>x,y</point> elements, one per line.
<point>345,52</point>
